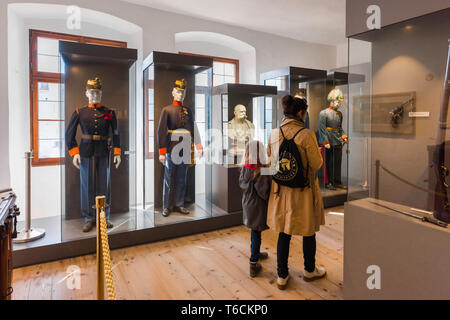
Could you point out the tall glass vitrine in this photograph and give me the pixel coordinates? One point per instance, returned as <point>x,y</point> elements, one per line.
<point>241,113</point>
<point>160,76</point>
<point>104,134</point>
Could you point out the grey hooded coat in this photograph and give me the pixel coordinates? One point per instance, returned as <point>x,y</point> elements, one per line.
<point>255,198</point>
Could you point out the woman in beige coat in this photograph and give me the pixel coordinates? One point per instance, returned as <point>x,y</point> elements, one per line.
<point>294,211</point>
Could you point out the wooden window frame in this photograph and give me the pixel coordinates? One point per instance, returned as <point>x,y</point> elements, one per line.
<point>218,59</point>
<point>36,77</point>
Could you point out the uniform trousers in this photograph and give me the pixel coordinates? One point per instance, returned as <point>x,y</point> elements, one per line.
<point>175,176</point>
<point>94,174</point>
<point>333,158</point>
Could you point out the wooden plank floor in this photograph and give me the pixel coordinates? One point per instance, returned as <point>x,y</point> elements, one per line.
<point>213,265</point>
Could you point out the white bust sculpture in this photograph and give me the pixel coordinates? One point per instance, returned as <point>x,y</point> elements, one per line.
<point>240,130</point>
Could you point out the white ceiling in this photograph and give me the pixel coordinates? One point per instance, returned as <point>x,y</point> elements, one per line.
<point>320,21</point>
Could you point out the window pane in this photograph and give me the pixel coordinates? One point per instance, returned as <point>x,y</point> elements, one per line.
<point>49,110</point>
<point>230,69</point>
<point>199,114</point>
<point>219,68</point>
<point>151,128</point>
<point>49,130</point>
<point>200,100</point>
<point>218,80</point>
<point>48,46</point>
<point>151,106</point>
<point>201,128</point>
<point>201,79</point>
<point>50,148</point>
<point>268,115</point>
<point>229,79</point>
<point>151,136</point>
<point>48,91</point>
<point>48,63</point>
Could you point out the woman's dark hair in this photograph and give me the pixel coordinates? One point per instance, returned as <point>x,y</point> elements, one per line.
<point>292,106</point>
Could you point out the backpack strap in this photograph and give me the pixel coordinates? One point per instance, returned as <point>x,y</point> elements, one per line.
<point>298,133</point>
<point>282,133</point>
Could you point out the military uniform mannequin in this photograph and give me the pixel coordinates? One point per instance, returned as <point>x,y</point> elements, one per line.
<point>240,130</point>
<point>177,122</point>
<point>92,156</point>
<point>333,138</point>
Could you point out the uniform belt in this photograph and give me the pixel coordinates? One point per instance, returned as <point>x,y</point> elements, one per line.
<point>93,137</point>
<point>180,131</point>
<point>332,129</point>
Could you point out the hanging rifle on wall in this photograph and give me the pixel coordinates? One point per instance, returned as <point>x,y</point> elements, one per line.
<point>441,201</point>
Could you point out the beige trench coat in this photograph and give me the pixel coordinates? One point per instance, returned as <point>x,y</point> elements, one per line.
<point>297,211</point>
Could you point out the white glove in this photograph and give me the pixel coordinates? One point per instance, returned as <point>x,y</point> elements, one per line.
<point>162,159</point>
<point>328,146</point>
<point>77,161</point>
<point>117,161</point>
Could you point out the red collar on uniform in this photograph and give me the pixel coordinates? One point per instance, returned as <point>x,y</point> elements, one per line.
<point>332,108</point>
<point>178,103</point>
<point>95,106</point>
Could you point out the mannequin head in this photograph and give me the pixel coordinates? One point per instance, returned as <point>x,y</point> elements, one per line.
<point>94,91</point>
<point>179,91</point>
<point>240,112</point>
<point>335,98</point>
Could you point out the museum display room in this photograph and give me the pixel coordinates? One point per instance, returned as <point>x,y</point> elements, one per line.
<point>125,126</point>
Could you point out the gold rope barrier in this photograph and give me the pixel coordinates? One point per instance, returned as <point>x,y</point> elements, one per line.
<point>104,268</point>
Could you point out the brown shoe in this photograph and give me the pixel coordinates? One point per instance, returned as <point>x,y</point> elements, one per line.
<point>181,210</point>
<point>255,268</point>
<point>263,256</point>
<point>88,226</point>
<point>109,224</point>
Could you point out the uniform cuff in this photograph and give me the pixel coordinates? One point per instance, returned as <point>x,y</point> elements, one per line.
<point>74,151</point>
<point>117,151</point>
<point>199,146</point>
<point>162,151</point>
<point>326,142</point>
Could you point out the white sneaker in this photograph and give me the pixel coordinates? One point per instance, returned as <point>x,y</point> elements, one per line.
<point>318,273</point>
<point>282,282</point>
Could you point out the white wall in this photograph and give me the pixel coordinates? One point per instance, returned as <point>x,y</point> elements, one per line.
<point>46,181</point>
<point>158,33</point>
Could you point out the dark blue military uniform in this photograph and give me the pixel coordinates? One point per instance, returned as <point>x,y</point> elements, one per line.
<point>96,123</point>
<point>178,121</point>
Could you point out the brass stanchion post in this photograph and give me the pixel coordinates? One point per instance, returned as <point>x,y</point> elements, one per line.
<point>100,204</point>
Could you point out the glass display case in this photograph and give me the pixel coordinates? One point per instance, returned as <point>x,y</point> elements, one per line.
<point>400,111</point>
<point>241,113</point>
<point>328,124</point>
<point>165,185</point>
<point>99,153</point>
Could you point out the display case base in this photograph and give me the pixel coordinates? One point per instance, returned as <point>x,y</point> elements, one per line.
<point>406,257</point>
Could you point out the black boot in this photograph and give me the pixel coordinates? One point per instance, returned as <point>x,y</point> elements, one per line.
<point>255,268</point>
<point>330,187</point>
<point>166,212</point>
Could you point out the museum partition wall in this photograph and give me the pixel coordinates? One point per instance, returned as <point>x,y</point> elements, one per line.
<point>401,111</point>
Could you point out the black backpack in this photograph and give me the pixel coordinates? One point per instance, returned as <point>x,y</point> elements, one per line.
<point>289,167</point>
